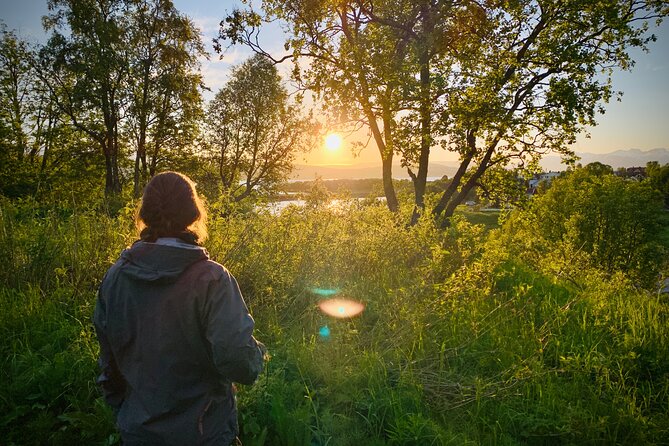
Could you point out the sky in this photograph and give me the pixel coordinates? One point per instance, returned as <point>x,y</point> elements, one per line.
<point>640,120</point>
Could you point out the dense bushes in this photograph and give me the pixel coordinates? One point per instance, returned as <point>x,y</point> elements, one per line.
<point>595,219</point>
<point>464,339</point>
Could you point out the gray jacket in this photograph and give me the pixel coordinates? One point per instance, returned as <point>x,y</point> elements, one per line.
<point>174,334</point>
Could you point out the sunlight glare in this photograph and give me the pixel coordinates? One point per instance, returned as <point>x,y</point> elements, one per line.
<point>324,331</point>
<point>341,308</point>
<point>333,142</point>
<point>324,292</point>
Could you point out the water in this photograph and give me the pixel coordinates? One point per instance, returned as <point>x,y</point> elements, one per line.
<point>276,207</point>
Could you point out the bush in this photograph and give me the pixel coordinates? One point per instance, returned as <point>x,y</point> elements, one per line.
<point>592,219</point>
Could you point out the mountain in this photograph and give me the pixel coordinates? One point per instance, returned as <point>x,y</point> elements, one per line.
<point>619,158</point>
<point>366,170</point>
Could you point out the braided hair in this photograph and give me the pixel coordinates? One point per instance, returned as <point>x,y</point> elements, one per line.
<point>171,208</point>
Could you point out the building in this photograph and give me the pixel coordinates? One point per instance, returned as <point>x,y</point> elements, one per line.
<point>632,173</point>
<point>538,178</point>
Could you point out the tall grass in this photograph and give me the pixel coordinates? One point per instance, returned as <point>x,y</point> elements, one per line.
<point>460,341</point>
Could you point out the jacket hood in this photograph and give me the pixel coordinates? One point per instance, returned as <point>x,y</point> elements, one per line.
<point>154,262</point>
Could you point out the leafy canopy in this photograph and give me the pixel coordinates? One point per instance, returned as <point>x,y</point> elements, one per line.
<point>252,131</point>
<point>499,83</point>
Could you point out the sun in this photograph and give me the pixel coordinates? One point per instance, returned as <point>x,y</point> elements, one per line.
<point>333,142</point>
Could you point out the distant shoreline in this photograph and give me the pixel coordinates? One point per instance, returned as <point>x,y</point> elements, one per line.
<point>618,158</point>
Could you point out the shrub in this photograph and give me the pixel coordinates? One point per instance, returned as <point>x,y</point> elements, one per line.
<point>591,219</point>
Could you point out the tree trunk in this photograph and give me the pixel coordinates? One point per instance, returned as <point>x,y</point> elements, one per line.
<point>386,149</point>
<point>458,198</point>
<point>140,163</point>
<point>420,180</point>
<point>110,150</point>
<point>136,191</point>
<point>452,187</point>
<point>388,188</point>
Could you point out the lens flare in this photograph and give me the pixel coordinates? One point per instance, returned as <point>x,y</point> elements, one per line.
<point>324,331</point>
<point>341,308</point>
<point>325,292</point>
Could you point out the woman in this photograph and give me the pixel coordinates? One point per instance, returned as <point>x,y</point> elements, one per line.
<point>173,328</point>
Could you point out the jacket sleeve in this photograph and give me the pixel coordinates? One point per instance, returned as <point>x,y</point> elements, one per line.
<point>110,380</point>
<point>237,355</point>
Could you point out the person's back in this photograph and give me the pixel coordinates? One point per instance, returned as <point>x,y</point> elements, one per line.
<point>174,334</point>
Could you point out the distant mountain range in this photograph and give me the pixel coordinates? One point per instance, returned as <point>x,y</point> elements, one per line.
<point>619,158</point>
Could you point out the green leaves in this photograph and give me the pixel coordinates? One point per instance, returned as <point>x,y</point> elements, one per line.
<point>509,80</point>
<point>592,216</point>
<point>252,131</point>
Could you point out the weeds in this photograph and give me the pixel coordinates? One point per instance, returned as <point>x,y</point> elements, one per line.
<point>461,341</point>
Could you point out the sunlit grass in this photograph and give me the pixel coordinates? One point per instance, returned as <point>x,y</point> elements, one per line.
<point>458,343</point>
<point>489,219</point>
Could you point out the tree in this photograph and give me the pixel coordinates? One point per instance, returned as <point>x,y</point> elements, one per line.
<point>597,168</point>
<point>86,63</point>
<point>164,81</point>
<point>125,73</point>
<point>658,176</point>
<point>29,122</point>
<point>252,132</point>
<point>500,83</point>
<point>592,216</point>
<point>371,65</point>
<point>536,80</point>
<point>16,96</point>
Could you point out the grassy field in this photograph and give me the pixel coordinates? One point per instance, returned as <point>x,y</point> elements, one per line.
<point>489,219</point>
<point>461,341</point>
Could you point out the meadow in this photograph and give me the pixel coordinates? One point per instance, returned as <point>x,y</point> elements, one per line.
<point>465,337</point>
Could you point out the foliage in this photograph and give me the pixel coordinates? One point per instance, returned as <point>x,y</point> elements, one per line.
<point>463,340</point>
<point>589,216</point>
<point>494,82</point>
<point>84,65</point>
<point>252,131</point>
<point>32,161</point>
<point>125,74</point>
<point>14,100</point>
<point>658,176</point>
<point>164,83</point>
<point>502,187</point>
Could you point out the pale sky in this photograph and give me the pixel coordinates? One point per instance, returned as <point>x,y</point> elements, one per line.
<point>640,120</point>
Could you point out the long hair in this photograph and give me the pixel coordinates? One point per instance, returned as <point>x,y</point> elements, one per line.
<point>171,207</point>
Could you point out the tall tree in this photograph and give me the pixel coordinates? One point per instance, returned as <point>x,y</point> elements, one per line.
<point>126,73</point>
<point>537,76</point>
<point>27,118</point>
<point>499,83</point>
<point>370,64</point>
<point>165,84</point>
<point>16,92</point>
<point>87,57</point>
<point>15,96</point>
<point>252,131</point>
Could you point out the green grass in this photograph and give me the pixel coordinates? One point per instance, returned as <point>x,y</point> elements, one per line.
<point>461,342</point>
<point>489,219</point>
